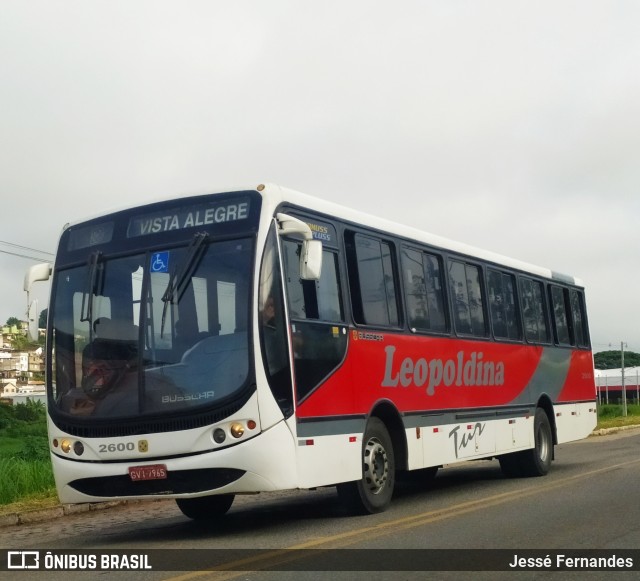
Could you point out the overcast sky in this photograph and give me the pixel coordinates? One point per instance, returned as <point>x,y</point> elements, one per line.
<point>510,125</point>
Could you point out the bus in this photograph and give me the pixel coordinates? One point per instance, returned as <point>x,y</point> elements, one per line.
<point>261,339</point>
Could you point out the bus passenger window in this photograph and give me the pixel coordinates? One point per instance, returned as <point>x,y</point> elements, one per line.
<point>577,315</point>
<point>534,311</point>
<point>503,306</point>
<point>424,290</point>
<point>374,293</point>
<point>467,297</point>
<point>560,319</point>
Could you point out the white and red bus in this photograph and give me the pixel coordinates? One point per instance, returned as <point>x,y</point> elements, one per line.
<point>261,340</point>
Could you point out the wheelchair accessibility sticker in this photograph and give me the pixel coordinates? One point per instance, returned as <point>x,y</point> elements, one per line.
<point>160,262</point>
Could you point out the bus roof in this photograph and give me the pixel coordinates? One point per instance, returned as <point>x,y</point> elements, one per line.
<point>274,195</point>
<point>277,194</point>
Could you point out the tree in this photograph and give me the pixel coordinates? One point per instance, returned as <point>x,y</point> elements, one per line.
<point>42,321</point>
<point>612,359</point>
<point>13,321</point>
<point>22,343</point>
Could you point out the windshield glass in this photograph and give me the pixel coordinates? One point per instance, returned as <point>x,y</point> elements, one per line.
<point>152,333</point>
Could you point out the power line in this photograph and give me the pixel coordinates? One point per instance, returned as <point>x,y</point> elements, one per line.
<point>23,248</point>
<point>27,256</point>
<point>36,258</point>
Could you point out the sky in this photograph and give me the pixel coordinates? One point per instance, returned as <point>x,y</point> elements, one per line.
<point>510,125</point>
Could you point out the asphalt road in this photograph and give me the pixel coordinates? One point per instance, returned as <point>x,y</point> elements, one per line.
<point>588,501</point>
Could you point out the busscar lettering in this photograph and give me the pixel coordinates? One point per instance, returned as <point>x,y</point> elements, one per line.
<point>188,397</point>
<point>319,232</point>
<point>463,371</point>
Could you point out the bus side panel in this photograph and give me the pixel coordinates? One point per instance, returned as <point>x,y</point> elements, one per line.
<point>456,442</point>
<point>580,382</point>
<point>424,373</point>
<point>575,421</point>
<point>514,434</point>
<point>327,460</point>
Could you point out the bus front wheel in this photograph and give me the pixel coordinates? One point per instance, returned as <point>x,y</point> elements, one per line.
<point>373,492</point>
<point>205,507</point>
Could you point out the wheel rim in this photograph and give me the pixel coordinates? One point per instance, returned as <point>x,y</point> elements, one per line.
<point>543,444</point>
<point>376,466</point>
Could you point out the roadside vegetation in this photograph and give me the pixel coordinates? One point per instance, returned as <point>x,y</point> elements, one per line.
<point>25,467</point>
<point>610,416</point>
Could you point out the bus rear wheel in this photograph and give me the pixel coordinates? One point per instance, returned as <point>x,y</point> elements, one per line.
<point>205,507</point>
<point>373,492</point>
<point>537,460</point>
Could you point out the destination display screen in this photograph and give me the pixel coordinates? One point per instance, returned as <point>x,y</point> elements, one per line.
<point>198,215</point>
<point>92,235</point>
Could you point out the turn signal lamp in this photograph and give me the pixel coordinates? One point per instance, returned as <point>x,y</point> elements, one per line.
<point>237,430</point>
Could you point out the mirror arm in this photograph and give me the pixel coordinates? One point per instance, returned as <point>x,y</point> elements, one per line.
<point>290,225</point>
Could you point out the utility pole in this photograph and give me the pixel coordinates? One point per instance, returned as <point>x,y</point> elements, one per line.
<point>624,389</point>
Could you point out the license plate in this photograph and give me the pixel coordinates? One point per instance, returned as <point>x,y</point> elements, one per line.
<point>149,472</point>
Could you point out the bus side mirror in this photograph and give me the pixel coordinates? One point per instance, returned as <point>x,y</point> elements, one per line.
<point>33,320</point>
<point>34,274</point>
<point>311,252</point>
<point>311,260</point>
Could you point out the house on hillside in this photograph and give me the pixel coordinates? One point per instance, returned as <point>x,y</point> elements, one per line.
<point>8,388</point>
<point>8,365</point>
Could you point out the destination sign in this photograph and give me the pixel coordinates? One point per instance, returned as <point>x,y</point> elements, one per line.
<point>93,235</point>
<point>195,216</point>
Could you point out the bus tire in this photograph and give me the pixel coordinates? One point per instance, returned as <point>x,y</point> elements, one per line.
<point>510,465</point>
<point>205,507</point>
<point>537,460</point>
<point>372,493</point>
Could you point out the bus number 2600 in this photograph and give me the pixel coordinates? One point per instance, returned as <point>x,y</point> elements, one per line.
<point>120,447</point>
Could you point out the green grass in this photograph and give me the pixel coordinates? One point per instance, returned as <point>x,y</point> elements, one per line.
<point>9,446</point>
<point>24,478</point>
<point>25,467</point>
<point>610,416</point>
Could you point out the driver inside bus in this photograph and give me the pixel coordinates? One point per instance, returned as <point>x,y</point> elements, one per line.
<point>105,363</point>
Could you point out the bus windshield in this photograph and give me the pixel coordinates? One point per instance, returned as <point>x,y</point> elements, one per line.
<point>152,332</point>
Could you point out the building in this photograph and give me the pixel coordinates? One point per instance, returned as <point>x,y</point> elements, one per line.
<point>8,388</point>
<point>8,365</point>
<point>21,371</point>
<point>609,384</point>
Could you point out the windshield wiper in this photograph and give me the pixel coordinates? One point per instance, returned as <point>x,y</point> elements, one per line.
<point>86,310</point>
<point>181,273</point>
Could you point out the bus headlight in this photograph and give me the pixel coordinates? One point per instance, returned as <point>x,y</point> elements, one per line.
<point>219,436</point>
<point>65,446</point>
